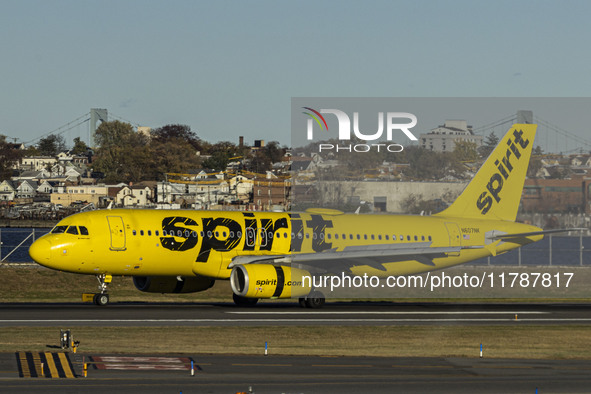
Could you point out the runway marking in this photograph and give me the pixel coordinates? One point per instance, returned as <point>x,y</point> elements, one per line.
<point>262,365</point>
<point>55,365</point>
<point>301,320</point>
<point>141,363</point>
<point>343,365</point>
<point>387,313</point>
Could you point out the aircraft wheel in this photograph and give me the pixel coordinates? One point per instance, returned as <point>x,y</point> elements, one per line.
<point>244,301</point>
<point>302,302</point>
<point>315,300</point>
<point>101,299</point>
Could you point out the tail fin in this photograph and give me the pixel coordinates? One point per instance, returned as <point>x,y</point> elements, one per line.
<point>495,191</point>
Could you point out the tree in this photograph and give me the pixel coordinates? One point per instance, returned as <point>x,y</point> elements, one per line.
<point>172,156</point>
<point>221,153</point>
<point>273,151</point>
<point>176,132</point>
<point>51,145</point>
<point>80,147</point>
<point>465,151</point>
<point>535,162</point>
<point>489,145</point>
<point>427,164</point>
<point>121,154</point>
<point>8,156</point>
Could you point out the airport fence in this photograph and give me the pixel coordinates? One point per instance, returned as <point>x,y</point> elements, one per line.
<point>15,242</point>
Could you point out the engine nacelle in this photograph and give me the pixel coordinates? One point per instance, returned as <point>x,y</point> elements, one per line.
<point>170,284</point>
<point>268,281</point>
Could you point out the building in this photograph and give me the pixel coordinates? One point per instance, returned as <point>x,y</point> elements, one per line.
<point>134,196</point>
<point>443,138</point>
<point>270,192</point>
<point>557,195</point>
<point>95,194</point>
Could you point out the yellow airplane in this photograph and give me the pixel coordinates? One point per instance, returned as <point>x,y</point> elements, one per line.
<point>185,251</point>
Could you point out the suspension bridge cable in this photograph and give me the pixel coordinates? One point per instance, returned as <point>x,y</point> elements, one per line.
<point>111,114</point>
<point>495,123</point>
<point>563,132</point>
<point>61,127</point>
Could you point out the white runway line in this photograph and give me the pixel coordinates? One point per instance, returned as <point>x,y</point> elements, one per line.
<point>388,313</point>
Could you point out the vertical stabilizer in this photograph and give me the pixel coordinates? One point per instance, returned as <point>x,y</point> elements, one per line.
<point>495,191</point>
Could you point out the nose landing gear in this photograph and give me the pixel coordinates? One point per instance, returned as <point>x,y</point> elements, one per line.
<point>102,298</point>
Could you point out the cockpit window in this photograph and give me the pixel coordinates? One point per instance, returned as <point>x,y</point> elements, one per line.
<point>83,230</point>
<point>72,230</point>
<point>59,229</point>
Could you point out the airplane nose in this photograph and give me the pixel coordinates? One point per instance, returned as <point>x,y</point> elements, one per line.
<point>40,251</point>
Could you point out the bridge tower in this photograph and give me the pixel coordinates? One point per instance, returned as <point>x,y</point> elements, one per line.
<point>96,114</point>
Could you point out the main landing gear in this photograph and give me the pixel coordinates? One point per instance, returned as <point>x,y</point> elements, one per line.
<point>102,298</point>
<point>314,300</point>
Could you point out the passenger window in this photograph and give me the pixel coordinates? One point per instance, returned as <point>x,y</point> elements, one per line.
<point>72,230</point>
<point>416,238</point>
<point>358,236</point>
<point>142,233</point>
<point>429,238</point>
<point>380,237</point>
<point>134,232</point>
<point>373,237</point>
<point>149,232</point>
<point>156,233</point>
<point>83,230</point>
<point>284,235</point>
<point>59,229</point>
<point>393,238</point>
<point>365,236</point>
<point>408,237</point>
<point>422,237</point>
<point>350,236</point>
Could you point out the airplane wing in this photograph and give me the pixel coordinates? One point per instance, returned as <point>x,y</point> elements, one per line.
<point>522,235</point>
<point>371,255</point>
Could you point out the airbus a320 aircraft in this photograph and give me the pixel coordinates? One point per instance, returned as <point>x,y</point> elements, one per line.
<point>185,251</point>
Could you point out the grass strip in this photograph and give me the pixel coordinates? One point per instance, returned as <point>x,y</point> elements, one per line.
<point>522,341</point>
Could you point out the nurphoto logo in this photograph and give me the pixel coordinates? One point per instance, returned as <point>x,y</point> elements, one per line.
<point>345,131</point>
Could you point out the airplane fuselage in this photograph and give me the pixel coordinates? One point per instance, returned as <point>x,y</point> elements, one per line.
<point>204,243</point>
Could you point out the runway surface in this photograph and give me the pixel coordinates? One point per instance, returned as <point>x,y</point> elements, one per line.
<point>302,374</point>
<point>288,314</point>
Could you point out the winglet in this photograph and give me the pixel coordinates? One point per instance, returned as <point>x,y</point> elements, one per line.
<point>495,191</point>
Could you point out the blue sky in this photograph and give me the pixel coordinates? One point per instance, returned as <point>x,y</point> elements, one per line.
<point>230,68</point>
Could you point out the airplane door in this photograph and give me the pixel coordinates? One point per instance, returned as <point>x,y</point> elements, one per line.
<point>455,237</point>
<point>117,232</point>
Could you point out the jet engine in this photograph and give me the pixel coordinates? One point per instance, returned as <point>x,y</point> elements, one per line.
<point>269,281</point>
<point>172,284</point>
